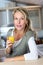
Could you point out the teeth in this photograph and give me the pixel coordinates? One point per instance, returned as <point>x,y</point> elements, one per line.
<point>18,25</point>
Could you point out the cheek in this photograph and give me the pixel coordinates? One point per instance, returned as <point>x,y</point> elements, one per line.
<point>23,23</point>
<point>15,22</point>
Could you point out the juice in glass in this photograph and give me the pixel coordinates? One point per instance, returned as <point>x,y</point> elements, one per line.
<point>11,38</point>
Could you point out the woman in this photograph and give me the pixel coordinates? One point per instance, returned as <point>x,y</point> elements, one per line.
<point>24,47</point>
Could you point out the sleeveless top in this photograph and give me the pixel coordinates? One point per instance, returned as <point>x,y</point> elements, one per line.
<point>21,48</point>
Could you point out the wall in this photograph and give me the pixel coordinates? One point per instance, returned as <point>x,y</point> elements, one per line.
<point>42,18</point>
<point>6,3</point>
<point>5,14</point>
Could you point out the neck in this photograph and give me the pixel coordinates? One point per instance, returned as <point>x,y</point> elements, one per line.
<point>19,31</point>
<point>19,34</point>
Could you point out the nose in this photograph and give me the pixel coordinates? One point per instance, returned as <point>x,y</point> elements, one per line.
<point>19,21</point>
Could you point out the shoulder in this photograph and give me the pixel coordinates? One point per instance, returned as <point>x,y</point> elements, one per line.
<point>29,33</point>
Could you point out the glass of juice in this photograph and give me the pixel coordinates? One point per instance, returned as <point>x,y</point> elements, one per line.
<point>11,38</point>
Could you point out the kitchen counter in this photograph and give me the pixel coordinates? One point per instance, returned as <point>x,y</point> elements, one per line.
<point>31,62</point>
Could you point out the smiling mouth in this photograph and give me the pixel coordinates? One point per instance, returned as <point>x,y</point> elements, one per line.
<point>19,25</point>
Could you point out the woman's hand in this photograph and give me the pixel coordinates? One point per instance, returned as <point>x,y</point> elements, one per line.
<point>8,46</point>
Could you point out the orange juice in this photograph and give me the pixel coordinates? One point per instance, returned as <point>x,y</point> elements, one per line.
<point>11,38</point>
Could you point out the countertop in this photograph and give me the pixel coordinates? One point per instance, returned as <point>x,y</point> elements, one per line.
<point>30,62</point>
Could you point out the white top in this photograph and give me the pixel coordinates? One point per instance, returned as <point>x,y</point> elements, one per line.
<point>33,50</point>
<point>32,47</point>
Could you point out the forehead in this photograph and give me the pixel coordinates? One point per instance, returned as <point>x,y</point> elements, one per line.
<point>19,12</point>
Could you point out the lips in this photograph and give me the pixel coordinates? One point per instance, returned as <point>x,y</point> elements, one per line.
<point>19,25</point>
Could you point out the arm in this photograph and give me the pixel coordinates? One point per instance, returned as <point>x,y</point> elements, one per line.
<point>33,50</point>
<point>28,56</point>
<point>18,58</point>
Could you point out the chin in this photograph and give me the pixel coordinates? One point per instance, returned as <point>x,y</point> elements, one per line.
<point>18,29</point>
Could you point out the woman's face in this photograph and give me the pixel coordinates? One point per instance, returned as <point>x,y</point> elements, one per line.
<point>19,21</point>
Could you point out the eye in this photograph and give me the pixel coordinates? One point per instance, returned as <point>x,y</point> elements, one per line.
<point>22,18</point>
<point>15,18</point>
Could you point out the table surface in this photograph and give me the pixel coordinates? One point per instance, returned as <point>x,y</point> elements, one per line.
<point>30,62</point>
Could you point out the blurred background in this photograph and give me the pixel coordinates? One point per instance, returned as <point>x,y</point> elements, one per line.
<point>35,9</point>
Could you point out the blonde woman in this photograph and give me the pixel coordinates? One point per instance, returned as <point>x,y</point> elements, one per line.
<point>24,47</point>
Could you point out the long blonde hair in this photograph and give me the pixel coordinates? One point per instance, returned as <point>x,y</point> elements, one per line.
<point>25,13</point>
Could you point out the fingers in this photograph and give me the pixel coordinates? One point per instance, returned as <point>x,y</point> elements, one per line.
<point>8,43</point>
